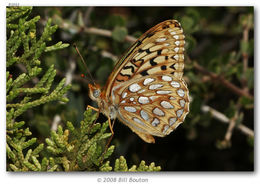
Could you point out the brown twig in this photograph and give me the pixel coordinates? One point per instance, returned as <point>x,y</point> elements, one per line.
<point>245,59</point>
<point>91,30</point>
<point>243,81</point>
<point>221,117</point>
<point>230,128</point>
<point>226,83</point>
<point>106,33</point>
<point>105,53</point>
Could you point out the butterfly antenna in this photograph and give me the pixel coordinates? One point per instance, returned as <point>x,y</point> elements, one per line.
<point>84,63</point>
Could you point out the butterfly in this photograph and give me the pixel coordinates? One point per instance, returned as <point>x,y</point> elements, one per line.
<point>146,90</point>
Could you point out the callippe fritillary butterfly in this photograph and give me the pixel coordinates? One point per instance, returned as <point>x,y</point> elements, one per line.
<point>146,90</point>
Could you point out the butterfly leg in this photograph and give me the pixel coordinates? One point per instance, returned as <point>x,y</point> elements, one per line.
<point>111,125</point>
<point>112,132</point>
<point>95,109</point>
<point>111,137</point>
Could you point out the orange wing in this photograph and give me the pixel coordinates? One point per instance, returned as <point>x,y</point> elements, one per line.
<point>146,85</point>
<point>159,49</point>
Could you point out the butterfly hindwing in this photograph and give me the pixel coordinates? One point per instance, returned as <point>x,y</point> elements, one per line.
<point>155,105</point>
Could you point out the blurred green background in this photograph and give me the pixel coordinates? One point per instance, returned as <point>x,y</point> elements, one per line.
<point>218,39</point>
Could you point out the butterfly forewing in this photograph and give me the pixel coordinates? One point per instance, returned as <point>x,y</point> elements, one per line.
<point>160,49</point>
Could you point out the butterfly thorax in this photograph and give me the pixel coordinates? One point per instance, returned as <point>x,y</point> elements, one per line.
<point>104,105</point>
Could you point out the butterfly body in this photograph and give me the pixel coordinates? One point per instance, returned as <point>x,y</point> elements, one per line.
<point>146,90</point>
<point>105,105</point>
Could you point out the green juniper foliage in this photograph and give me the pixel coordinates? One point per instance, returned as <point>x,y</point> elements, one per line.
<point>82,148</point>
<point>29,88</point>
<point>70,149</point>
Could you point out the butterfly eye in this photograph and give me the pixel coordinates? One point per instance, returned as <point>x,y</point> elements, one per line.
<point>96,93</point>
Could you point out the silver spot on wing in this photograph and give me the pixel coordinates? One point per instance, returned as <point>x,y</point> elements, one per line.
<point>167,105</point>
<point>182,102</point>
<point>144,115</point>
<point>166,127</point>
<point>124,94</point>
<point>163,92</point>
<point>172,121</point>
<point>175,84</point>
<point>180,92</point>
<point>148,80</point>
<point>158,112</point>
<point>155,86</point>
<point>138,121</point>
<point>143,100</point>
<point>130,109</point>
<point>166,78</point>
<point>155,122</point>
<point>161,39</point>
<point>134,87</point>
<point>179,113</point>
